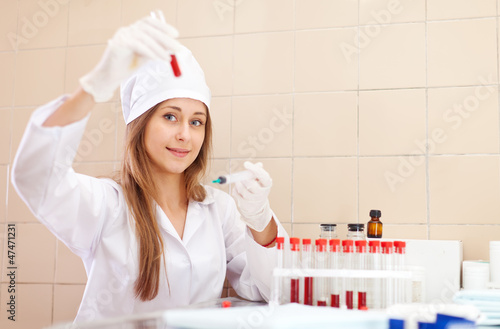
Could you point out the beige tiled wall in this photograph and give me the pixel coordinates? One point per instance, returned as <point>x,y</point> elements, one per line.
<point>337,98</point>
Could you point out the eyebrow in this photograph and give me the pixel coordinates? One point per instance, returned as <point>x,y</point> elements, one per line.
<point>180,110</point>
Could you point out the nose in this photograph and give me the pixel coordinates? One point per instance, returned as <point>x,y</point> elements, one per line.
<point>183,132</point>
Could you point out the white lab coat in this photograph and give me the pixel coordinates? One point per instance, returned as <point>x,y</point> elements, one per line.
<point>90,216</point>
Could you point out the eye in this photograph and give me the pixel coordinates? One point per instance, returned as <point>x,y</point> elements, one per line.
<point>197,123</point>
<point>170,117</point>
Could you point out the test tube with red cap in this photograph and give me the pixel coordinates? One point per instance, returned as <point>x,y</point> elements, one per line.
<point>374,263</point>
<point>321,261</point>
<point>158,14</point>
<point>307,263</point>
<point>348,260</point>
<point>387,264</point>
<point>399,265</point>
<point>335,265</point>
<point>295,264</point>
<point>361,265</point>
<point>280,263</point>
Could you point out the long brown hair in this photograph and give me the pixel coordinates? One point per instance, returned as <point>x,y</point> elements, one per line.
<point>140,191</point>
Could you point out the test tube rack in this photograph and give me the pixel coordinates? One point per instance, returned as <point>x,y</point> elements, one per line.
<point>348,277</point>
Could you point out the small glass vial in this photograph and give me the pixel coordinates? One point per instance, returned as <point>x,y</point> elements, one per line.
<point>356,231</point>
<point>328,231</point>
<point>374,227</point>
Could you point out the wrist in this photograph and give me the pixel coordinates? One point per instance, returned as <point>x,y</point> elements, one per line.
<point>92,85</point>
<point>271,244</point>
<point>267,237</point>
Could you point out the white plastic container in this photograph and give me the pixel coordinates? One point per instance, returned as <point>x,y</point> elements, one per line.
<point>495,262</point>
<point>476,275</point>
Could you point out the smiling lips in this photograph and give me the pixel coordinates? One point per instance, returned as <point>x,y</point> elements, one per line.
<point>181,153</point>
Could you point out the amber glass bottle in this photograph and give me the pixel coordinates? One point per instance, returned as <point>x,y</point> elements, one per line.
<point>375,225</point>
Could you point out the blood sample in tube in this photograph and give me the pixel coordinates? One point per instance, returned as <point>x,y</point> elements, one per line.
<point>307,264</point>
<point>175,66</point>
<point>335,300</point>
<point>348,248</point>
<point>361,300</point>
<point>361,265</point>
<point>321,262</point>
<point>294,290</point>
<point>335,265</point>
<point>295,283</point>
<point>349,299</point>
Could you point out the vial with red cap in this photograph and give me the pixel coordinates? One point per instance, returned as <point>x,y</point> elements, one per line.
<point>374,284</point>
<point>295,265</point>
<point>334,264</point>
<point>321,261</point>
<point>399,265</point>
<point>348,264</point>
<point>387,283</point>
<point>280,263</point>
<point>361,264</point>
<point>307,263</point>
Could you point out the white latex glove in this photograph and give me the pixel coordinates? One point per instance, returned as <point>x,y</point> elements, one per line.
<point>251,197</point>
<point>131,46</point>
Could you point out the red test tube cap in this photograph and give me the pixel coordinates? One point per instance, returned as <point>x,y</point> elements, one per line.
<point>360,245</point>
<point>294,242</point>
<point>374,246</point>
<point>387,247</point>
<point>321,244</point>
<point>347,245</point>
<point>306,241</point>
<point>334,245</point>
<point>399,246</point>
<point>280,242</point>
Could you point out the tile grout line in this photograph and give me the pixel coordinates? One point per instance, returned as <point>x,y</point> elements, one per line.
<point>498,77</point>
<point>3,238</point>
<point>357,115</point>
<point>427,169</point>
<point>292,169</point>
<point>233,38</point>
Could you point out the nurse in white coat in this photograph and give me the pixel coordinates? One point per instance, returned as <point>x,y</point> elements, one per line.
<point>155,238</point>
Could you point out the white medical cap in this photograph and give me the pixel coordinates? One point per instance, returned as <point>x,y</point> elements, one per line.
<point>154,82</point>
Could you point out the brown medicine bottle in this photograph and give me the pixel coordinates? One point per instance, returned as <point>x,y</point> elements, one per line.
<point>374,225</point>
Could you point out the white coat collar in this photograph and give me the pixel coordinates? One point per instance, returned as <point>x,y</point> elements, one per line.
<point>194,218</point>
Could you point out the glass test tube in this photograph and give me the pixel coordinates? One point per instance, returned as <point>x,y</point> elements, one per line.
<point>361,265</point>
<point>374,263</point>
<point>321,262</point>
<point>295,264</point>
<point>399,265</point>
<point>335,265</point>
<point>388,283</point>
<point>307,263</point>
<point>280,263</point>
<point>348,253</point>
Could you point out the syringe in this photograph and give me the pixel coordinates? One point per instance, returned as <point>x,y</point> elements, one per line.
<point>233,178</point>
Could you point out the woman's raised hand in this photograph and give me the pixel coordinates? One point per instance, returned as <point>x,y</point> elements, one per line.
<point>130,47</point>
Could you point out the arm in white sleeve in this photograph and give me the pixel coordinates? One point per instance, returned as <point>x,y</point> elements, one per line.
<point>71,205</point>
<point>250,265</point>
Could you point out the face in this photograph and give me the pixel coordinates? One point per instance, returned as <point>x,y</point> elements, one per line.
<point>174,134</point>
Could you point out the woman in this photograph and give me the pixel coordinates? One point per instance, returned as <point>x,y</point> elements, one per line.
<point>155,238</point>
